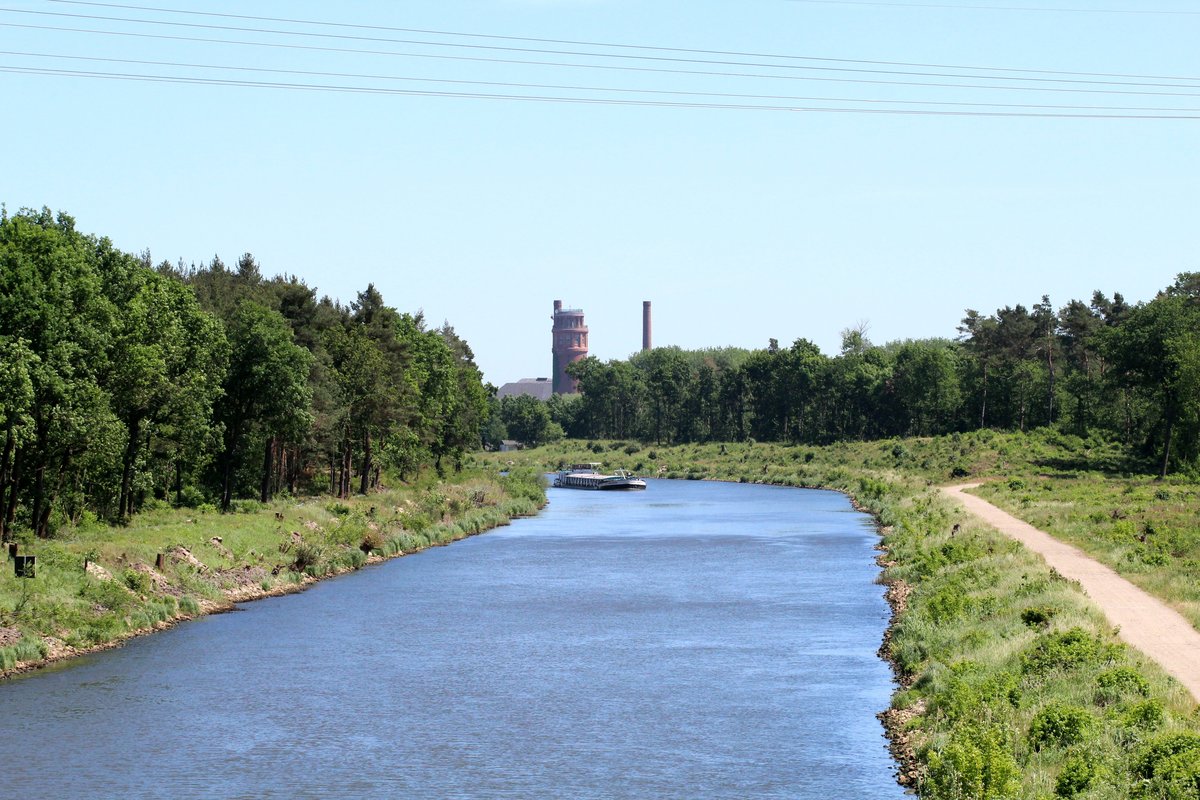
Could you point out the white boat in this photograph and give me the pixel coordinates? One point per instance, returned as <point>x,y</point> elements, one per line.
<point>589,476</point>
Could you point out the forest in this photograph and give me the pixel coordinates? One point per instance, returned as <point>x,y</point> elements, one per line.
<point>124,383</point>
<point>1098,368</point>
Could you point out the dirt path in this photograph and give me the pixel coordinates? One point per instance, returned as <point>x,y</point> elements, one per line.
<point>1144,621</point>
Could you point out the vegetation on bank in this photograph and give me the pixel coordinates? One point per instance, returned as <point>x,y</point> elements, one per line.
<point>125,384</point>
<point>1012,685</point>
<point>1130,372</point>
<point>97,584</point>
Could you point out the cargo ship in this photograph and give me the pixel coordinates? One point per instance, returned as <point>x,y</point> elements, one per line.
<point>589,476</point>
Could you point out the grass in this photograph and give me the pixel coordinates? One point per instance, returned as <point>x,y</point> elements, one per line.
<point>1012,684</point>
<point>212,559</point>
<point>1147,530</point>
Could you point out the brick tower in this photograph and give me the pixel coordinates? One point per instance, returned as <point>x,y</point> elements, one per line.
<point>570,343</point>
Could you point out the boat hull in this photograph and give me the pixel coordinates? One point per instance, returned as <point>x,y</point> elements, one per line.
<point>587,477</point>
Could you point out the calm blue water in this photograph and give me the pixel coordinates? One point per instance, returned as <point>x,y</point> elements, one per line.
<point>697,640</point>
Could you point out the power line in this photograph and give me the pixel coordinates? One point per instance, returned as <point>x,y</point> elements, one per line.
<point>587,54</point>
<point>609,67</point>
<point>574,100</point>
<point>562,87</point>
<point>584,43</point>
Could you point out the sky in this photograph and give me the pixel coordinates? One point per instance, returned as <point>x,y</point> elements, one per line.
<point>757,169</point>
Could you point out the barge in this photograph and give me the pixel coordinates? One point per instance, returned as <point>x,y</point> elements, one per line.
<point>589,476</point>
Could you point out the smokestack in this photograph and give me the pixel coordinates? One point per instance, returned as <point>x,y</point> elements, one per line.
<point>646,345</point>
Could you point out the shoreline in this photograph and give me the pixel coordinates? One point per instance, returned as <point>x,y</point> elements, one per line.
<point>60,652</point>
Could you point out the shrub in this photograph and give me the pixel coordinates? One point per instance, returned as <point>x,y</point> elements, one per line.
<point>1060,725</point>
<point>1065,650</point>
<point>1112,684</point>
<point>1144,716</point>
<point>136,581</point>
<point>307,556</point>
<point>338,509</point>
<point>1038,616</point>
<point>371,540</point>
<point>1169,767</point>
<point>974,764</point>
<point>1076,777</point>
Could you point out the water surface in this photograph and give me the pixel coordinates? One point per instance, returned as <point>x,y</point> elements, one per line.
<point>697,640</point>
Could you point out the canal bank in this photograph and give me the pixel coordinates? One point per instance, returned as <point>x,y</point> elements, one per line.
<point>992,649</point>
<point>97,587</point>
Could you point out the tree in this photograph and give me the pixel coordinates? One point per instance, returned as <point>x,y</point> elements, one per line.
<point>167,363</point>
<point>17,363</point>
<point>926,385</point>
<point>266,386</point>
<point>526,418</point>
<point>52,303</point>
<point>1156,349</point>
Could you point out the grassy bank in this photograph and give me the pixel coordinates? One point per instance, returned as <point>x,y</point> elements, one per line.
<point>1011,683</point>
<point>96,585</point>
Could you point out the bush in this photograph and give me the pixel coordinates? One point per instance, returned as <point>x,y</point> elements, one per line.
<point>1038,616</point>
<point>372,540</point>
<point>1060,725</point>
<point>1066,650</point>
<point>137,581</point>
<point>1113,684</point>
<point>974,764</point>
<point>1076,777</point>
<point>307,556</point>
<point>1144,716</point>
<point>1169,767</point>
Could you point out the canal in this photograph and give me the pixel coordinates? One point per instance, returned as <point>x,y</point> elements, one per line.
<point>697,640</point>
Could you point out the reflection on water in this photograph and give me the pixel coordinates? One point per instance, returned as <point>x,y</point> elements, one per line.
<point>695,640</point>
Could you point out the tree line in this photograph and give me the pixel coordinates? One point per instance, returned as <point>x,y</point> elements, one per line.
<point>123,382</point>
<point>1103,366</point>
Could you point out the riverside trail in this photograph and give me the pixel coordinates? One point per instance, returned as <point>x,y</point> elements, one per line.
<point>1144,621</point>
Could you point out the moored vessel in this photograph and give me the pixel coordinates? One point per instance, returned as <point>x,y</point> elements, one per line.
<point>589,476</point>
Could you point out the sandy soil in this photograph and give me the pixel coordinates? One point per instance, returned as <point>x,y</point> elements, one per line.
<point>1143,621</point>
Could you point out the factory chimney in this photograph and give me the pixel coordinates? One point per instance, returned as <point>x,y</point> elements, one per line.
<point>646,345</point>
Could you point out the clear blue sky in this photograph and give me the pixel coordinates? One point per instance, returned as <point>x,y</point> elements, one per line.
<point>740,224</point>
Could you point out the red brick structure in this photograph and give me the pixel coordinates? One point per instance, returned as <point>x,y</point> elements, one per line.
<point>570,343</point>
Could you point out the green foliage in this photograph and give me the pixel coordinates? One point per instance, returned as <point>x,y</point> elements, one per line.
<point>975,764</point>
<point>136,581</point>
<point>306,557</point>
<point>1115,683</point>
<point>1059,725</point>
<point>1038,616</point>
<point>1146,715</point>
<point>1077,776</point>
<point>1061,651</point>
<point>1168,767</point>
